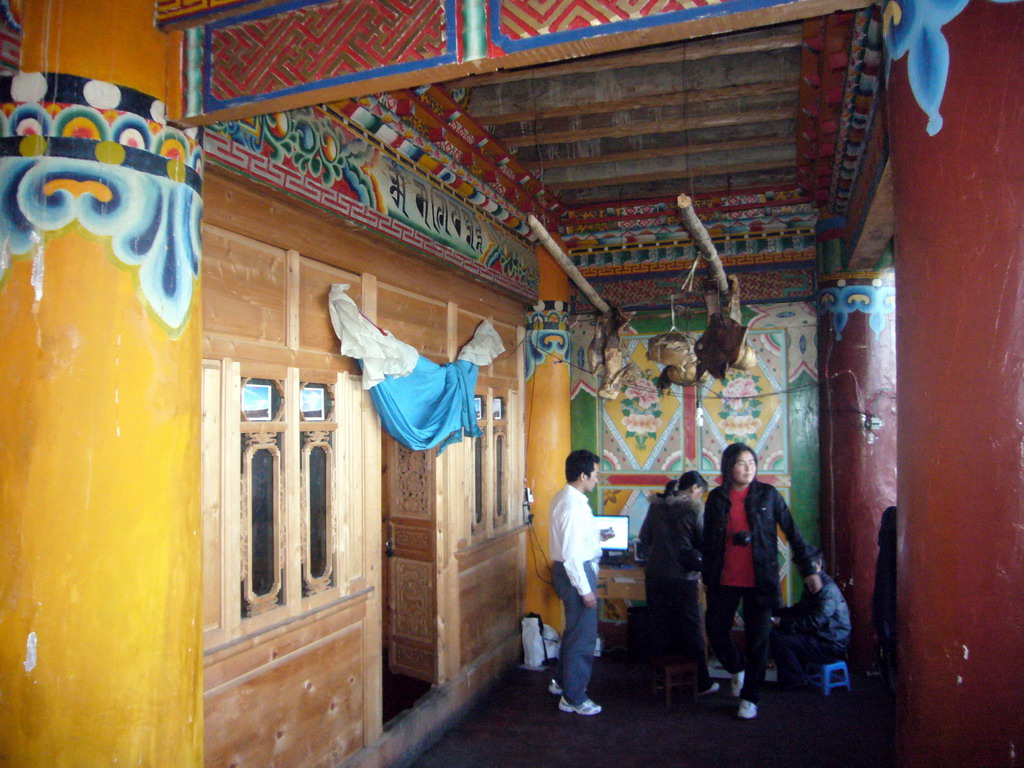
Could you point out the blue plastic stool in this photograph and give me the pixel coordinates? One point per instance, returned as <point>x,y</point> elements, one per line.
<point>829,676</point>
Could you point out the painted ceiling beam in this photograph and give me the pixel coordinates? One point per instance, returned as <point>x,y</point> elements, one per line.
<point>308,52</point>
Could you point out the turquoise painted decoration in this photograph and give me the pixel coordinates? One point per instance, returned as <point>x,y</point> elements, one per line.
<point>547,334</point>
<point>99,156</point>
<point>914,27</point>
<point>874,301</point>
<point>153,223</point>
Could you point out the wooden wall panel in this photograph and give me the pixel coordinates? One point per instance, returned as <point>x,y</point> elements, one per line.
<point>315,281</point>
<point>306,691</point>
<point>466,327</point>
<point>212,513</point>
<point>488,590</point>
<point>416,320</point>
<point>301,710</point>
<point>505,367</point>
<point>233,203</point>
<point>244,285</point>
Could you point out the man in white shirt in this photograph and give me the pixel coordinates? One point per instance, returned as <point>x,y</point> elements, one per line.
<point>575,552</point>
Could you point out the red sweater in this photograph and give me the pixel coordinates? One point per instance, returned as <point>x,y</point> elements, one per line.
<point>738,568</point>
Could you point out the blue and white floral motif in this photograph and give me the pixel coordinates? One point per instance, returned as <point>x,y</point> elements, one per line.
<point>875,302</point>
<point>153,222</point>
<point>915,26</point>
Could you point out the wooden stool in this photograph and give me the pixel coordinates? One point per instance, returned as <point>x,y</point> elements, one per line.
<point>672,672</point>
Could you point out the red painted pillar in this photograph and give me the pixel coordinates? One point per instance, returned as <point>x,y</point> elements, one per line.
<point>959,197</point>
<point>857,368</point>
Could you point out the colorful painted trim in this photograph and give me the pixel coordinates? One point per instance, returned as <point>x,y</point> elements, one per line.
<point>378,120</point>
<point>519,25</point>
<point>191,11</point>
<point>842,301</point>
<point>632,235</point>
<point>307,45</point>
<point>313,155</point>
<point>10,43</point>
<point>915,27</point>
<point>786,283</point>
<point>10,13</point>
<point>823,82</point>
<point>860,106</point>
<point>795,247</point>
<point>193,74</point>
<point>547,334</point>
<point>101,165</point>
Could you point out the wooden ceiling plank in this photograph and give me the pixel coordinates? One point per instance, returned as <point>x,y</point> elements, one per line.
<point>544,93</point>
<point>638,120</point>
<point>772,39</point>
<point>674,98</point>
<point>672,187</point>
<point>647,154</point>
<point>639,178</point>
<point>664,126</point>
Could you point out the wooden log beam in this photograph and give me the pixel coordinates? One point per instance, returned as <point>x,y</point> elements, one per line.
<point>570,269</point>
<point>705,247</point>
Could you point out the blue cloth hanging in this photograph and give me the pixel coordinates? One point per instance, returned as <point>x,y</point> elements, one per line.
<point>431,406</point>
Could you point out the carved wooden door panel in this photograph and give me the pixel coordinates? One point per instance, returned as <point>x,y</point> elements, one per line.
<point>412,597</point>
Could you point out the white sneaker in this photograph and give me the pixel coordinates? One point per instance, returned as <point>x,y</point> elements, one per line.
<point>737,683</point>
<point>747,710</point>
<point>713,688</point>
<point>588,707</point>
<point>554,688</point>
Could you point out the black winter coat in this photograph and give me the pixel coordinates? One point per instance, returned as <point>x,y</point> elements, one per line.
<point>766,509</point>
<point>823,615</point>
<point>671,534</point>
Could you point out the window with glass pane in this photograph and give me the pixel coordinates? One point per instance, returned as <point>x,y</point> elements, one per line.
<point>478,480</point>
<point>318,504</point>
<point>262,531</point>
<point>499,477</point>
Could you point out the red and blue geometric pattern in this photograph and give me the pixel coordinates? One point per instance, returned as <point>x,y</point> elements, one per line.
<point>522,24</point>
<point>271,52</point>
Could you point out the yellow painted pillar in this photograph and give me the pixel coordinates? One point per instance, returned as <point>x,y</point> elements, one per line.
<point>100,528</point>
<point>547,426</point>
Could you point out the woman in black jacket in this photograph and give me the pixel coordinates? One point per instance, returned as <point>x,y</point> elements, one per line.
<point>741,565</point>
<point>671,535</point>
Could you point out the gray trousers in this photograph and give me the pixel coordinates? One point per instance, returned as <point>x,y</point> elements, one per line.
<point>576,657</point>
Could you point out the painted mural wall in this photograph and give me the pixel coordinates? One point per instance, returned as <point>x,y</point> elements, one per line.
<point>645,439</point>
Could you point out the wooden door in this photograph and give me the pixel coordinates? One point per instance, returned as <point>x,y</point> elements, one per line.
<point>410,502</point>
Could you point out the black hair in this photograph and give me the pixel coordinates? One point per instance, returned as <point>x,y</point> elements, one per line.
<point>671,487</point>
<point>729,457</point>
<point>817,559</point>
<point>581,462</point>
<point>689,479</point>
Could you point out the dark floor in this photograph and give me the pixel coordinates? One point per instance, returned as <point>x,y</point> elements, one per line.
<point>519,724</point>
<point>399,692</point>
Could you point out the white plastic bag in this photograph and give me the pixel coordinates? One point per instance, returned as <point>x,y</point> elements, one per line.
<point>540,642</point>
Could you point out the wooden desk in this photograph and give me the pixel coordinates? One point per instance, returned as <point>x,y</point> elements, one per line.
<point>621,583</point>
